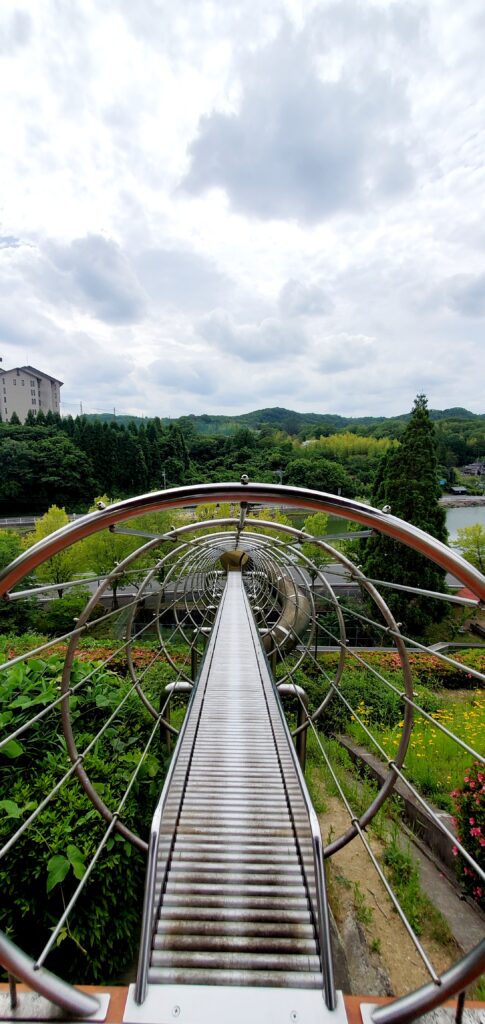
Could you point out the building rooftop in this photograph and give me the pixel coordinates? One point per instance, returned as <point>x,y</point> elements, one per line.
<point>36,373</point>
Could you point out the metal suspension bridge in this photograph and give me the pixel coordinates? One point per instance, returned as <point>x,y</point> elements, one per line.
<point>235,922</point>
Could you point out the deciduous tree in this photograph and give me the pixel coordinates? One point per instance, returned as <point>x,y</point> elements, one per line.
<point>471,541</point>
<point>63,566</point>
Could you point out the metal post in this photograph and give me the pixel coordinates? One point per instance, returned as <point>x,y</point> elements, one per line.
<point>273,661</point>
<point>292,690</point>
<point>460,1006</point>
<point>12,988</point>
<point>165,734</point>
<point>194,657</point>
<point>301,737</point>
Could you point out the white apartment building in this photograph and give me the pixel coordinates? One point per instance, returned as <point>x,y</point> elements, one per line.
<point>24,388</point>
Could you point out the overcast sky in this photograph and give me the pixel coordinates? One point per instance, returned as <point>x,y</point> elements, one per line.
<point>220,206</point>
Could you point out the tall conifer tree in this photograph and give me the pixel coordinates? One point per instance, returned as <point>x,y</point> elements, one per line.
<point>407,481</point>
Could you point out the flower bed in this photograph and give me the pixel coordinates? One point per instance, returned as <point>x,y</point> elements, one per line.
<point>470,823</point>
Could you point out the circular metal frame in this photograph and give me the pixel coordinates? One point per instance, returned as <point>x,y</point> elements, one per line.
<point>270,552</point>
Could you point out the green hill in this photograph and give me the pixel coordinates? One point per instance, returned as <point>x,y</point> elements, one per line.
<point>291,422</point>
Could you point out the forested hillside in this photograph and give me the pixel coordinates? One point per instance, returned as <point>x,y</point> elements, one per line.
<point>303,424</point>
<point>69,460</point>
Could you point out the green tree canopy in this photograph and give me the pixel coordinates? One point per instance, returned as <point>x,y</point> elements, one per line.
<point>10,547</point>
<point>101,551</point>
<point>471,541</point>
<point>62,567</point>
<point>317,525</point>
<point>319,474</point>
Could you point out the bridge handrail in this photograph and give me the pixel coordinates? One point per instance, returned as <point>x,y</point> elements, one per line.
<point>300,497</point>
<point>462,973</point>
<point>424,999</point>
<point>323,920</point>
<point>150,881</point>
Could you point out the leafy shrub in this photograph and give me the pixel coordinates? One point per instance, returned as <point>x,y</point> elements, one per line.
<point>42,870</point>
<point>17,616</point>
<point>470,822</point>
<point>362,690</point>
<point>58,615</point>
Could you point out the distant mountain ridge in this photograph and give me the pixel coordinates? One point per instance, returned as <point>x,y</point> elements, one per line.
<point>288,420</point>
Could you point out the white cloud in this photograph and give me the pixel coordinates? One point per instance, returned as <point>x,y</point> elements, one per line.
<point>268,341</point>
<point>299,299</point>
<point>339,352</point>
<point>229,205</point>
<point>466,294</point>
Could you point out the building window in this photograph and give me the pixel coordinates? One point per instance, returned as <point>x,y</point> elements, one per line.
<point>5,399</point>
<point>34,401</point>
<point>32,383</point>
<point>15,381</point>
<point>32,391</point>
<point>22,383</point>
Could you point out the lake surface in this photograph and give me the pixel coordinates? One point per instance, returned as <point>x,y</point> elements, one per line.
<point>457,518</point>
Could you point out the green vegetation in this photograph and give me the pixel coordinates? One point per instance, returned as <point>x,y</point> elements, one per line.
<point>407,484</point>
<point>65,564</point>
<point>471,541</point>
<point>403,874</point>
<point>42,871</point>
<point>396,858</point>
<point>434,762</point>
<point>363,913</point>
<point>74,459</point>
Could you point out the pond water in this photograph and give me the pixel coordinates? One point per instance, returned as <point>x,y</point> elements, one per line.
<point>457,518</point>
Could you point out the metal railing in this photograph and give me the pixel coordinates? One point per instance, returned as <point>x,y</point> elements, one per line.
<point>190,565</point>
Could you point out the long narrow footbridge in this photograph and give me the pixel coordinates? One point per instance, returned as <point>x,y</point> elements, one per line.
<point>235,922</point>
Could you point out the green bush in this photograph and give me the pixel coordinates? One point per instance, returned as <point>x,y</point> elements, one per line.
<point>383,706</point>
<point>17,616</point>
<point>59,616</point>
<point>42,870</point>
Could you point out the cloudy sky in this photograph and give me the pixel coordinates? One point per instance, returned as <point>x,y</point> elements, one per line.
<point>219,206</point>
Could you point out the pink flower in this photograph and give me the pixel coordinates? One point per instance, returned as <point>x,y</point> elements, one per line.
<point>477,891</point>
<point>455,852</point>
<point>472,784</point>
<point>472,821</point>
<point>475,831</point>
